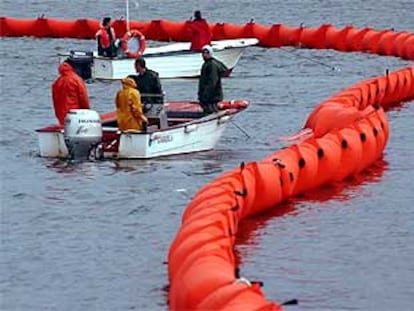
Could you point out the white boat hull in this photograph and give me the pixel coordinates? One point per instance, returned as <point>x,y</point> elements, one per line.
<point>52,144</point>
<point>190,138</point>
<point>170,61</point>
<point>194,135</point>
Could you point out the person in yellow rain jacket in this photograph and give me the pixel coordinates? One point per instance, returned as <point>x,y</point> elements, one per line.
<point>129,108</point>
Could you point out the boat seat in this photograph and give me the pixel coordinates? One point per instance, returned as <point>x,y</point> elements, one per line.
<point>179,120</point>
<point>132,131</point>
<point>185,114</point>
<point>152,128</point>
<point>110,123</point>
<point>110,129</point>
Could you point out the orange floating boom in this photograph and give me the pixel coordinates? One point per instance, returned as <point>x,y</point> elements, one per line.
<point>202,268</point>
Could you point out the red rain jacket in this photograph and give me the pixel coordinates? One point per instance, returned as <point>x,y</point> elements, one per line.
<point>200,34</point>
<point>68,92</point>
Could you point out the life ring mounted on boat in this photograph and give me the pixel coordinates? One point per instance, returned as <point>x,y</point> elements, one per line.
<point>232,104</point>
<point>127,43</point>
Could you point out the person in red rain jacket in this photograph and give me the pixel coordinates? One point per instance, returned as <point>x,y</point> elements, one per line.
<point>68,92</point>
<point>199,31</point>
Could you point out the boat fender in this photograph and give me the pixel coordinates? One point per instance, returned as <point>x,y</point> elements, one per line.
<point>133,34</point>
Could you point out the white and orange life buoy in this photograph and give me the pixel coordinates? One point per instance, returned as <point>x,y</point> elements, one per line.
<point>232,104</point>
<point>141,40</point>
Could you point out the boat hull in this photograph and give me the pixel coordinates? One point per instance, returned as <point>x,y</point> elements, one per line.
<point>177,65</point>
<point>52,142</point>
<point>170,61</point>
<point>184,135</point>
<point>195,137</point>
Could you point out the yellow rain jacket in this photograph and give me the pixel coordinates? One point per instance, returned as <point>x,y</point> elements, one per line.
<point>128,107</point>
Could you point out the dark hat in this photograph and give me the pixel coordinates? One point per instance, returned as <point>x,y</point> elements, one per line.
<point>140,61</point>
<point>197,14</point>
<point>70,62</point>
<point>106,20</point>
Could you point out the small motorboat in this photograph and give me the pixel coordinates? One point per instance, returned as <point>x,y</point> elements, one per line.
<point>187,129</point>
<point>174,60</point>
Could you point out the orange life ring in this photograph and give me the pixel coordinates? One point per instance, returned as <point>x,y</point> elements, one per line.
<point>142,43</point>
<point>232,104</point>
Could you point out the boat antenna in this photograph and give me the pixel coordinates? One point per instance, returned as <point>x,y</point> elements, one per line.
<point>127,15</point>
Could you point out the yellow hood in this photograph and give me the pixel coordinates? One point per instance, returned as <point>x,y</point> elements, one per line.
<point>129,82</point>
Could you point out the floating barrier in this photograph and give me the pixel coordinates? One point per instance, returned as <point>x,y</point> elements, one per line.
<point>201,264</point>
<point>344,135</point>
<point>385,42</point>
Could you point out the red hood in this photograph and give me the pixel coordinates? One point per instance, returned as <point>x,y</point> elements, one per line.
<point>65,68</point>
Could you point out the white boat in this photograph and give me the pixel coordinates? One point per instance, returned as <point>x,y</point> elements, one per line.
<point>188,130</point>
<point>174,60</point>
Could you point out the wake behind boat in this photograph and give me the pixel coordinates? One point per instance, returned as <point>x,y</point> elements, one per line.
<point>174,60</point>
<point>188,130</point>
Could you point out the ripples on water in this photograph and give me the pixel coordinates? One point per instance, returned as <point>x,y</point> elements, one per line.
<point>95,235</point>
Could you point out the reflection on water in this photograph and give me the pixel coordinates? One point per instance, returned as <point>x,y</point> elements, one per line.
<point>138,166</point>
<point>207,168</point>
<point>336,193</point>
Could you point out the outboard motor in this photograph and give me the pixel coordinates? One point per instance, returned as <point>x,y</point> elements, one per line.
<point>83,132</point>
<point>82,62</point>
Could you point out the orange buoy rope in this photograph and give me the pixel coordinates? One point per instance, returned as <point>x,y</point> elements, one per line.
<point>201,261</point>
<point>202,269</point>
<point>349,38</point>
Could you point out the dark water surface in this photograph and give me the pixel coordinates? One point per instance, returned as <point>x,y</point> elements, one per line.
<point>94,236</point>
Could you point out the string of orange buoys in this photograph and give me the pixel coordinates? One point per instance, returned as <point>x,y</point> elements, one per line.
<point>344,135</point>
<point>349,38</point>
<point>350,131</point>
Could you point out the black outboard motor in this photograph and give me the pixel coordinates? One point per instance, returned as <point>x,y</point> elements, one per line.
<point>83,62</point>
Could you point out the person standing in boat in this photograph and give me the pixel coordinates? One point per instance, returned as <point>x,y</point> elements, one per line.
<point>129,108</point>
<point>105,38</point>
<point>199,32</point>
<point>210,90</point>
<point>68,91</point>
<point>149,85</point>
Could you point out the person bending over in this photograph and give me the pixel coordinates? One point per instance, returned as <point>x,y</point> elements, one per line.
<point>129,108</point>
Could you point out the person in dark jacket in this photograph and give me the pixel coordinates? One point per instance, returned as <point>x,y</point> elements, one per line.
<point>148,83</point>
<point>152,97</point>
<point>210,90</point>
